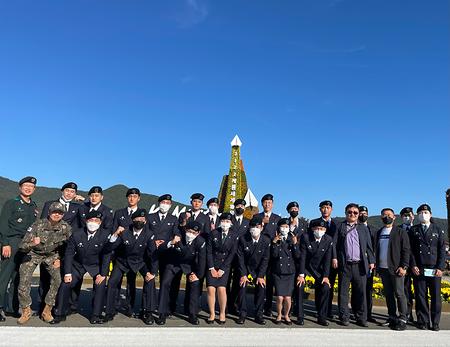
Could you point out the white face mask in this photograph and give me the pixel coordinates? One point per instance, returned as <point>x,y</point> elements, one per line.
<point>407,220</point>
<point>255,232</point>
<point>319,233</point>
<point>213,209</point>
<point>92,226</point>
<point>163,208</point>
<point>225,226</point>
<point>190,236</point>
<point>424,217</point>
<point>284,231</point>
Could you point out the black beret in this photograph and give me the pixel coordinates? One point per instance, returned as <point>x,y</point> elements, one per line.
<point>95,189</point>
<point>256,220</point>
<point>319,222</point>
<point>194,225</point>
<point>326,203</point>
<point>283,221</point>
<point>424,207</point>
<point>28,179</point>
<point>363,209</point>
<point>94,214</point>
<point>225,215</point>
<point>406,210</point>
<point>292,204</point>
<point>133,191</point>
<point>70,185</point>
<point>198,196</point>
<point>165,197</point>
<point>140,212</point>
<point>267,197</point>
<point>212,200</point>
<point>240,202</point>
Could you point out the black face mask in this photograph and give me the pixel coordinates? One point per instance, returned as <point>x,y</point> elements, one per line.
<point>293,214</point>
<point>138,225</point>
<point>387,220</point>
<point>239,211</point>
<point>363,218</point>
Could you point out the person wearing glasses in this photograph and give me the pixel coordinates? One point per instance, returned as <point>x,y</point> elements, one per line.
<point>356,261</point>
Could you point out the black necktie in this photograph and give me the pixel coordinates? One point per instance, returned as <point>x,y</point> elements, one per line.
<point>131,212</point>
<point>162,217</point>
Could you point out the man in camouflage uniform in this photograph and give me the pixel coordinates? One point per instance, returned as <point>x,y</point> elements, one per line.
<point>40,245</point>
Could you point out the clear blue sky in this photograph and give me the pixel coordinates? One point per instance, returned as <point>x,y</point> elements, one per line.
<point>341,100</point>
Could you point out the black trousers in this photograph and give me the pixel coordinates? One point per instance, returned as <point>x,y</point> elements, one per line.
<point>65,290</point>
<point>423,308</point>
<point>369,291</point>
<point>352,274</point>
<point>192,293</point>
<point>148,293</point>
<point>233,286</point>
<point>394,290</point>
<point>333,276</point>
<point>258,300</point>
<point>9,275</point>
<point>321,293</point>
<point>409,294</point>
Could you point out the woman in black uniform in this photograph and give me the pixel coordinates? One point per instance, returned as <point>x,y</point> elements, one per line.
<point>284,251</point>
<point>220,250</point>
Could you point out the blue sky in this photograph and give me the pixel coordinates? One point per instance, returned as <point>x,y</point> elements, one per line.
<point>341,100</point>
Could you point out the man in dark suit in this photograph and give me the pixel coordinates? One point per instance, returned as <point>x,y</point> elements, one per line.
<point>392,258</point>
<point>241,226</point>
<point>135,251</point>
<point>95,204</point>
<point>165,227</point>
<point>270,221</point>
<point>86,253</point>
<point>253,255</point>
<point>316,248</point>
<point>326,208</point>
<point>356,260</point>
<point>428,264</point>
<point>185,255</point>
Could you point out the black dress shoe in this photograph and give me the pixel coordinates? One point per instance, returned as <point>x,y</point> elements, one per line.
<point>149,320</point>
<point>221,322</point>
<point>210,321</point>
<point>108,317</point>
<point>2,316</point>
<point>161,320</point>
<point>371,320</point>
<point>435,327</point>
<point>57,320</point>
<point>421,326</point>
<point>241,320</point>
<point>345,323</point>
<point>362,323</point>
<point>288,322</point>
<point>323,322</point>
<point>193,320</point>
<point>300,321</point>
<point>96,320</point>
<point>12,314</point>
<point>277,322</point>
<point>400,326</point>
<point>260,321</point>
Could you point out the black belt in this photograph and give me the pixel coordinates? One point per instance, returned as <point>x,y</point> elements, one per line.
<point>349,262</point>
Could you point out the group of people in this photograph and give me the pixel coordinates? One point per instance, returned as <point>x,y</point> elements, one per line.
<point>267,253</point>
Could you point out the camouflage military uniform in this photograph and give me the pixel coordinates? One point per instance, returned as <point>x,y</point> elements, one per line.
<point>51,237</point>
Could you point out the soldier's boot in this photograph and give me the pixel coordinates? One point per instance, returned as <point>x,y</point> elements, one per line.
<point>26,315</point>
<point>47,314</point>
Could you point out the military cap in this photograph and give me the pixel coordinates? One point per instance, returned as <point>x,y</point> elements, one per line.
<point>140,212</point>
<point>240,202</point>
<point>424,207</point>
<point>165,197</point>
<point>194,225</point>
<point>319,222</point>
<point>212,200</point>
<point>70,185</point>
<point>256,220</point>
<point>363,209</point>
<point>198,196</point>
<point>283,221</point>
<point>326,203</point>
<point>94,214</point>
<point>406,210</point>
<point>28,179</point>
<point>133,191</point>
<point>225,216</point>
<point>56,206</point>
<point>267,197</point>
<point>292,204</point>
<point>95,189</point>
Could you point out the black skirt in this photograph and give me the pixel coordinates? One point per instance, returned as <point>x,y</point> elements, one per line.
<point>284,284</point>
<point>216,282</point>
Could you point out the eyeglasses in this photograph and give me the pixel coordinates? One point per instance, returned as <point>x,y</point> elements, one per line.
<point>355,213</point>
